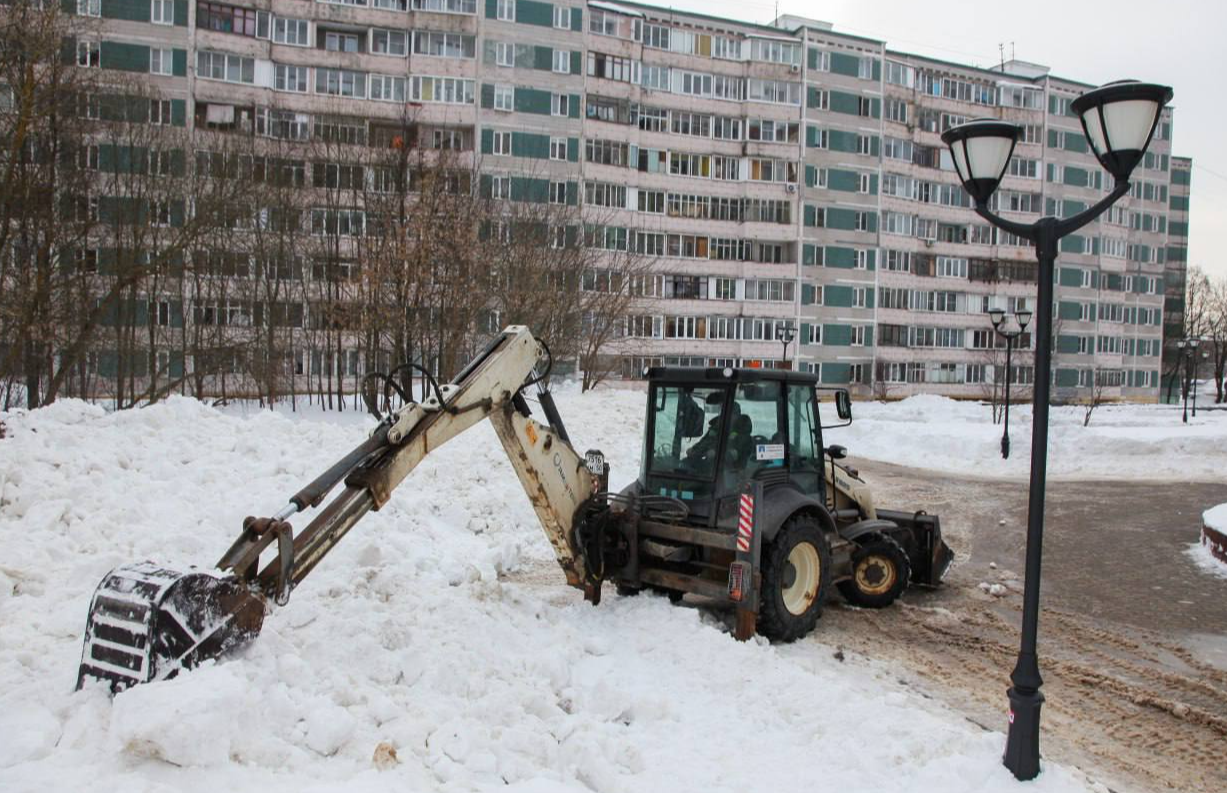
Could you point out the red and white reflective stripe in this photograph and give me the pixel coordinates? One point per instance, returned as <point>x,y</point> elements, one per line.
<point>745,523</point>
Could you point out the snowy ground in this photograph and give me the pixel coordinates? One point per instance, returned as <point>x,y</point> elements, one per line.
<point>411,634</point>
<point>1122,441</point>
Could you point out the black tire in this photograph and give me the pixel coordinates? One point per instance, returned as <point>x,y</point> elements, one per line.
<point>776,620</point>
<point>880,574</point>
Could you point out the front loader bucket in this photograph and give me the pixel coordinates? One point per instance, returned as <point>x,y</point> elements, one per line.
<point>147,622</point>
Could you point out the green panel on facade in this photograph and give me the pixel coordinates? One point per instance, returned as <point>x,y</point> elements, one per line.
<point>837,335</point>
<point>837,296</point>
<point>809,215</point>
<point>487,141</point>
<point>543,58</point>
<point>1113,282</point>
<point>839,140</point>
<point>811,57</point>
<point>842,102</point>
<point>491,9</point>
<point>572,149</point>
<point>1073,244</point>
<point>808,254</point>
<point>869,329</point>
<point>1067,378</point>
<point>838,218</point>
<point>536,191</point>
<point>1180,177</point>
<point>811,96</point>
<point>835,256</point>
<point>573,106</point>
<point>842,63</point>
<point>577,65</point>
<point>807,294</point>
<point>178,112</point>
<point>1070,208</point>
<point>877,70</point>
<point>1178,229</point>
<point>804,334</point>
<point>835,373</point>
<point>572,194</point>
<point>1075,142</point>
<point>811,176</point>
<point>180,13</point>
<point>846,181</point>
<point>530,12</point>
<point>873,184</point>
<point>1070,276</point>
<point>527,144</point>
<point>1067,344</point>
<point>577,19</point>
<point>487,95</point>
<point>179,63</point>
<point>811,136</point>
<point>1076,177</point>
<point>124,57</point>
<point>131,10</point>
<point>1177,253</point>
<point>114,158</point>
<point>1069,310</point>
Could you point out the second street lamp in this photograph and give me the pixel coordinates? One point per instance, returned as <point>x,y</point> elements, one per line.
<point>1021,318</point>
<point>1119,120</point>
<point>1188,355</point>
<point>786,333</point>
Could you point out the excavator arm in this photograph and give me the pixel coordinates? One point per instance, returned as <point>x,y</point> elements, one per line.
<point>147,622</point>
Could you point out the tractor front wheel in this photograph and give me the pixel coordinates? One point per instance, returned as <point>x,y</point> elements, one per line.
<point>796,569</point>
<point>880,574</point>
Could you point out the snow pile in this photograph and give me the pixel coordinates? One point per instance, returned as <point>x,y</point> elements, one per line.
<point>1122,441</point>
<point>436,642</point>
<point>1214,519</point>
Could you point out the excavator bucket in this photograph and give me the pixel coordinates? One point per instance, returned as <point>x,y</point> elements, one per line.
<point>147,622</point>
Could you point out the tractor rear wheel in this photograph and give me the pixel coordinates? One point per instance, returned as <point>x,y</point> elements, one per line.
<point>880,574</point>
<point>795,569</point>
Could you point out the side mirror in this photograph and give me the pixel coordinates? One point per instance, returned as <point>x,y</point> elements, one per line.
<point>843,405</point>
<point>837,452</point>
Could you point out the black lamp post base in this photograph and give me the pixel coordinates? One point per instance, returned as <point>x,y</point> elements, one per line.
<point>1022,745</point>
<point>1005,447</point>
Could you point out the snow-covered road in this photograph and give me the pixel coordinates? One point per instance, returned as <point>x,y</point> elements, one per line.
<point>410,635</point>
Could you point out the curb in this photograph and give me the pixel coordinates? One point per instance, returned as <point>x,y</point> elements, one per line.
<point>1216,541</point>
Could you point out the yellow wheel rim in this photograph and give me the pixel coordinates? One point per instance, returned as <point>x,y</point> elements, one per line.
<point>875,575</point>
<point>804,589</point>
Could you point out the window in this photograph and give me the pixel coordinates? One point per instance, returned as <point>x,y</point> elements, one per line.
<point>562,18</point>
<point>291,31</point>
<point>500,187</point>
<point>445,45</point>
<point>341,42</point>
<point>447,139</point>
<point>340,82</point>
<point>389,42</point>
<point>159,61</point>
<point>89,8</point>
<point>504,53</point>
<point>560,104</point>
<point>159,111</point>
<point>159,214</point>
<point>858,340</point>
<point>558,148</point>
<point>226,19</point>
<point>562,61</point>
<point>88,53</point>
<point>290,78</point>
<point>386,88</point>
<point>446,6</point>
<point>603,23</point>
<point>162,12</point>
<point>504,97</point>
<point>558,192</point>
<point>502,143</point>
<point>507,10</point>
<point>221,66</point>
<point>609,67</point>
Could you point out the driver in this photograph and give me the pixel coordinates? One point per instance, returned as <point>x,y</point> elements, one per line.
<point>707,446</point>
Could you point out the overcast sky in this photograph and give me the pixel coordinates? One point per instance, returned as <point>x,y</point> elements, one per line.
<point>1165,41</point>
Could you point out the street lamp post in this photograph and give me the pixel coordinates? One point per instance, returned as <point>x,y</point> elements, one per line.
<point>786,333</point>
<point>1021,318</point>
<point>1119,120</point>
<point>1196,372</point>
<point>1188,352</point>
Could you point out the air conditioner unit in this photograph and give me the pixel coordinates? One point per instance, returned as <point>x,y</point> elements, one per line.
<point>928,243</point>
<point>796,68</point>
<point>792,188</point>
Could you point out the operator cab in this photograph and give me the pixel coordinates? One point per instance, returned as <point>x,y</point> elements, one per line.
<point>710,430</point>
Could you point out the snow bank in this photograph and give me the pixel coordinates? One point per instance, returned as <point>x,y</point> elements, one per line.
<point>1210,554</point>
<point>1216,518</point>
<point>410,638</point>
<point>1122,441</point>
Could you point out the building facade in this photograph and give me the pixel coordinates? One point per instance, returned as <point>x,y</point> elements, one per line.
<point>782,176</point>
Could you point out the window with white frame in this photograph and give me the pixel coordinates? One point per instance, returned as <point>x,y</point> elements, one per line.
<point>502,143</point>
<point>444,45</point>
<point>506,10</point>
<point>504,97</point>
<point>860,297</point>
<point>340,82</point>
<point>562,17</point>
<point>862,259</point>
<point>89,8</point>
<point>500,187</point>
<point>290,78</point>
<point>865,182</point>
<point>294,32</point>
<point>160,61</point>
<point>558,192</point>
<point>386,88</point>
<point>159,112</point>
<point>504,53</point>
<point>558,148</point>
<point>162,12</point>
<point>389,42</point>
<point>562,61</point>
<point>560,104</point>
<point>226,67</point>
<point>858,335</point>
<point>88,53</point>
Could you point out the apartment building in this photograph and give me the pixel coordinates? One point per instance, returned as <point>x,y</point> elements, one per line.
<point>1174,275</point>
<point>783,176</point>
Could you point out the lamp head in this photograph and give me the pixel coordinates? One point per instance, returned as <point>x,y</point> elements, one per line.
<point>1024,318</point>
<point>981,151</point>
<point>1180,344</point>
<point>1194,343</point>
<point>1119,120</point>
<point>996,315</point>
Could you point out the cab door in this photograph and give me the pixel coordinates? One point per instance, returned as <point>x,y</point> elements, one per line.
<point>804,446</point>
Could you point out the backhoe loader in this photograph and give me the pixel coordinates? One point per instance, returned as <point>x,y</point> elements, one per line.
<point>737,502</point>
